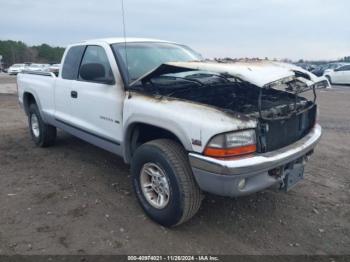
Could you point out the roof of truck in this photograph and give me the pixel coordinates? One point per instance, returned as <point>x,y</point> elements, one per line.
<point>115,40</point>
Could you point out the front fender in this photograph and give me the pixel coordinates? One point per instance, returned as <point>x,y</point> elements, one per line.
<point>192,123</point>
<point>139,119</point>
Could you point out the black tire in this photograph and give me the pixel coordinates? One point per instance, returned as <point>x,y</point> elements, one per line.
<point>185,196</point>
<point>329,79</point>
<point>46,133</point>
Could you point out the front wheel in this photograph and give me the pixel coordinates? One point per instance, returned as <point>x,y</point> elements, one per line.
<point>42,134</point>
<point>164,183</point>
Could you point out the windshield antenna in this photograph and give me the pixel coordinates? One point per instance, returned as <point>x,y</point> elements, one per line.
<point>124,33</point>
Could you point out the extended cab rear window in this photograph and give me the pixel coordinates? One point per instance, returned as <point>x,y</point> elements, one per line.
<point>71,62</point>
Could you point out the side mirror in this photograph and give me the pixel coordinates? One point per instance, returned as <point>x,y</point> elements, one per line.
<point>95,72</point>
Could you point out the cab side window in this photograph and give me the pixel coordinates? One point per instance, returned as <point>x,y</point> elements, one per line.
<point>71,62</point>
<point>95,66</point>
<point>344,68</point>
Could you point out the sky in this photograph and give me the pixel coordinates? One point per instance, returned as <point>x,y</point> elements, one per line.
<point>295,29</point>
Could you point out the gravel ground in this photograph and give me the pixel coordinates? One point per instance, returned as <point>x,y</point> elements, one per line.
<point>7,84</point>
<point>75,198</point>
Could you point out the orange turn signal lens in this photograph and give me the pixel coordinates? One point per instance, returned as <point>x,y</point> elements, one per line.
<point>229,152</point>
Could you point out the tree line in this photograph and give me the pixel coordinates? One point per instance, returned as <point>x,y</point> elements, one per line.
<point>346,59</point>
<point>18,52</point>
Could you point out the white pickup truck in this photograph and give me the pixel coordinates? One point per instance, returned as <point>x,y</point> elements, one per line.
<point>184,125</point>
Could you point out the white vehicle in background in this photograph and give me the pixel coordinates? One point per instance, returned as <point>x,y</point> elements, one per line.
<point>15,69</point>
<point>55,68</point>
<point>339,75</point>
<point>37,67</point>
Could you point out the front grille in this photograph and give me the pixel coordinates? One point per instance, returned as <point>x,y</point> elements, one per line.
<point>275,134</point>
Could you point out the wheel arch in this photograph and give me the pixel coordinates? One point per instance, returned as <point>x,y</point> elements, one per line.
<point>31,98</point>
<point>138,133</point>
<point>28,99</point>
<point>329,78</point>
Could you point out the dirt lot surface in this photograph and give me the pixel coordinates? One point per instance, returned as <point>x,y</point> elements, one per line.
<point>7,84</point>
<point>74,198</point>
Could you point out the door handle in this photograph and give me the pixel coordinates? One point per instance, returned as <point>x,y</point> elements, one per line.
<point>74,94</point>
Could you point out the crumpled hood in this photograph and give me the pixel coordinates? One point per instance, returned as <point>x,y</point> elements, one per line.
<point>259,73</point>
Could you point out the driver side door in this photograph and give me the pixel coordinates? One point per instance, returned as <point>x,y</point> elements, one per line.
<point>338,75</point>
<point>98,103</point>
<point>345,75</point>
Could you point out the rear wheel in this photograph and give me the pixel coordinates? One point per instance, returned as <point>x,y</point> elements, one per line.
<point>42,134</point>
<point>164,183</point>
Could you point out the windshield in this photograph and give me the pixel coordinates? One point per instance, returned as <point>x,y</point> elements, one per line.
<point>334,66</point>
<point>143,57</point>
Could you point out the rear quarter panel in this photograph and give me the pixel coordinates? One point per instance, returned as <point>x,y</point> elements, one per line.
<point>42,88</point>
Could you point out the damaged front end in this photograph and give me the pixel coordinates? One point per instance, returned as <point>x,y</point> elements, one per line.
<point>275,100</point>
<point>284,124</point>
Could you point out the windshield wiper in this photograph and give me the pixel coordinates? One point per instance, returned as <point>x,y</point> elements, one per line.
<point>178,90</point>
<point>221,75</point>
<point>183,78</point>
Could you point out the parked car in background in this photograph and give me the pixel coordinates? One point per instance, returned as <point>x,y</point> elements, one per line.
<point>339,75</point>
<point>319,71</point>
<point>54,68</point>
<point>37,67</point>
<point>306,66</point>
<point>15,69</point>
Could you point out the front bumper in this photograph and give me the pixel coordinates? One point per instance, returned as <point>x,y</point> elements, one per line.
<point>221,177</point>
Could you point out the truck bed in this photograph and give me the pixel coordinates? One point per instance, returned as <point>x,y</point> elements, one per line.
<point>39,84</point>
